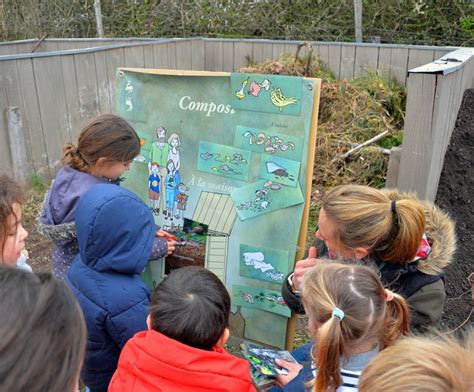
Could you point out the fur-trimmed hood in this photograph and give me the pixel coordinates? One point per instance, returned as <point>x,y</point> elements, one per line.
<point>440,230</point>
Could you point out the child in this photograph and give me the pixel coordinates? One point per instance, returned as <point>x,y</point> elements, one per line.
<point>183,349</point>
<point>351,317</point>
<point>106,147</point>
<point>42,333</point>
<point>12,233</point>
<point>421,364</point>
<point>116,232</point>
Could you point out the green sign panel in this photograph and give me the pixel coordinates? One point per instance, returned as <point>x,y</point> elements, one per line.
<point>224,165</point>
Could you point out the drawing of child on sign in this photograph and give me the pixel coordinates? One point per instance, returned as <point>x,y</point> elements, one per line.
<point>154,181</point>
<point>159,154</point>
<point>182,199</point>
<point>171,187</point>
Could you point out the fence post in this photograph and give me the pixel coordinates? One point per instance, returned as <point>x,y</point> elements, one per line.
<point>393,167</point>
<point>17,137</point>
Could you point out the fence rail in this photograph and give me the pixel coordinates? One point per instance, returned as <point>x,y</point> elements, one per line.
<point>66,81</point>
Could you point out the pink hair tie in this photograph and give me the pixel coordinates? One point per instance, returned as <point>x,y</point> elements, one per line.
<point>388,295</point>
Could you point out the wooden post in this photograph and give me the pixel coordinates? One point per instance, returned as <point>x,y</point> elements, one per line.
<point>393,167</point>
<point>358,20</point>
<point>17,137</point>
<point>98,19</point>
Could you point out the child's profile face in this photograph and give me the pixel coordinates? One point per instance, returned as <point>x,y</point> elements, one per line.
<point>15,237</point>
<point>113,169</point>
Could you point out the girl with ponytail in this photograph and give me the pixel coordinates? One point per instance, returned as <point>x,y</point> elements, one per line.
<point>408,240</point>
<point>106,147</point>
<point>351,317</point>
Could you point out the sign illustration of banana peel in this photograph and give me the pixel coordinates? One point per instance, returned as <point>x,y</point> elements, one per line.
<point>279,100</point>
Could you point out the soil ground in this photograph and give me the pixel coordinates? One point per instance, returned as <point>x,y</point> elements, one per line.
<point>455,194</point>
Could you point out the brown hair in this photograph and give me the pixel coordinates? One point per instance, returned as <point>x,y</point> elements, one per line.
<point>107,136</point>
<point>10,192</point>
<point>42,333</point>
<point>191,305</point>
<point>367,217</point>
<point>421,364</point>
<point>368,315</point>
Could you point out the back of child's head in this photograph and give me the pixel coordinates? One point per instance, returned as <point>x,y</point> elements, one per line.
<point>107,136</point>
<point>42,333</point>
<point>424,364</point>
<point>191,305</point>
<point>347,307</point>
<point>10,193</point>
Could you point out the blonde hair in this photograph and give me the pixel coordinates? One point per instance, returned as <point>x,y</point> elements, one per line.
<point>367,217</point>
<point>368,315</point>
<point>421,364</point>
<point>174,136</point>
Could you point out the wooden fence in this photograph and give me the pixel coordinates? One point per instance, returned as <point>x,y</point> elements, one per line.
<point>59,86</point>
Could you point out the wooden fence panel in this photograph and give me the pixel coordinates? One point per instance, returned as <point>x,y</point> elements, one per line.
<point>87,86</point>
<point>366,59</point>
<point>399,64</point>
<point>161,56</point>
<point>242,52</point>
<point>384,61</point>
<point>183,55</point>
<point>347,62</point>
<point>172,55</point>
<point>334,62</point>
<point>267,51</point>
<point>73,106</point>
<point>213,55</point>
<point>198,59</point>
<point>228,56</point>
<point>324,55</point>
<point>105,104</point>
<point>278,50</point>
<point>50,90</point>
<point>134,56</point>
<point>115,59</point>
<point>32,119</point>
<point>149,57</point>
<point>417,58</point>
<point>5,155</point>
<point>257,55</point>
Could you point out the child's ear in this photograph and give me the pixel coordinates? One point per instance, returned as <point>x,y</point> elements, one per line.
<point>148,322</point>
<point>223,339</point>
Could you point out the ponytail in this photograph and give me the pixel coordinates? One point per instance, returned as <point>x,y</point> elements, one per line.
<point>73,158</point>
<point>330,347</point>
<point>397,320</point>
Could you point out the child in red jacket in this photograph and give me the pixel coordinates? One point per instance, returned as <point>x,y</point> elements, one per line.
<point>183,349</point>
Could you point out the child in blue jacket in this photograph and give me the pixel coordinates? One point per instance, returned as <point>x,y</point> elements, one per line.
<point>115,232</point>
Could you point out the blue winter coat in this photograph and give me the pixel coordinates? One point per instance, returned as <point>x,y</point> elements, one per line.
<point>115,231</point>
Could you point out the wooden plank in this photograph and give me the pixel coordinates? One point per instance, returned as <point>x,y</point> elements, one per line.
<point>183,55</point>
<point>5,155</point>
<point>171,55</point>
<point>213,55</point>
<point>32,119</point>
<point>419,57</point>
<point>417,143</point>
<point>347,62</point>
<point>393,167</point>
<point>115,59</point>
<point>198,60</point>
<point>73,107</point>
<point>148,54</point>
<point>105,103</point>
<point>219,210</point>
<point>242,52</point>
<point>228,56</point>
<point>324,54</point>
<point>257,55</point>
<point>134,56</point>
<point>291,48</point>
<point>384,61</point>
<point>230,220</point>
<point>399,64</point>
<point>8,49</point>
<point>160,56</point>
<point>87,85</point>
<point>440,53</point>
<point>211,207</point>
<point>267,51</point>
<point>278,50</point>
<point>17,136</point>
<point>52,106</point>
<point>204,201</point>
<point>366,60</point>
<point>222,225</point>
<point>334,62</point>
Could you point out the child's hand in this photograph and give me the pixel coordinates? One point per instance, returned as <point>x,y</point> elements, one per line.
<point>293,371</point>
<point>171,246</point>
<point>165,234</point>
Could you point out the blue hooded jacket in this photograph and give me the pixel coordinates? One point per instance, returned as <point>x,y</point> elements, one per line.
<point>115,231</point>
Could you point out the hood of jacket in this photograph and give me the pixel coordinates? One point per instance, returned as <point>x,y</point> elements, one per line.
<point>440,230</point>
<point>150,361</point>
<point>115,230</point>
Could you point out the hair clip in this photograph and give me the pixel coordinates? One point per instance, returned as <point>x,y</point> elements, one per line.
<point>336,312</point>
<point>388,295</point>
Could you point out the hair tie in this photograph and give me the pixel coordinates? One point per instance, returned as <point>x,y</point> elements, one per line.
<point>388,295</point>
<point>336,312</point>
<point>394,206</point>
